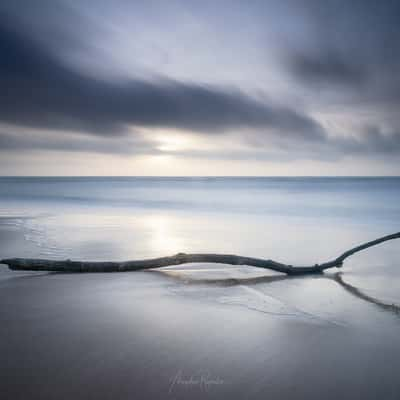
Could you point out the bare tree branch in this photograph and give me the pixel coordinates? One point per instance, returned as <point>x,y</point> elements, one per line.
<point>28,264</point>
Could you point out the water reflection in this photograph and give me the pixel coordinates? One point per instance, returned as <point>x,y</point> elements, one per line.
<point>163,236</point>
<point>338,277</point>
<point>187,277</point>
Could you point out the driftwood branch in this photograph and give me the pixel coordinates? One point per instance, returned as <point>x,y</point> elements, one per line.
<point>28,264</point>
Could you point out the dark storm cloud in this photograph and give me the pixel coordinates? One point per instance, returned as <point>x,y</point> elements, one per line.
<point>329,67</point>
<point>352,47</point>
<point>38,90</point>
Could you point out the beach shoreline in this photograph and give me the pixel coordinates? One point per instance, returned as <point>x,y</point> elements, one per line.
<point>197,330</point>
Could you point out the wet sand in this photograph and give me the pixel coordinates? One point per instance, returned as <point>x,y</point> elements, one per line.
<point>196,332</point>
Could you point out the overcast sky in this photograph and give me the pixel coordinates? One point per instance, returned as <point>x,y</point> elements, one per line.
<point>279,87</point>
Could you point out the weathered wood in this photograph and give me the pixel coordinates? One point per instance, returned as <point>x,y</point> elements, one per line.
<point>27,264</point>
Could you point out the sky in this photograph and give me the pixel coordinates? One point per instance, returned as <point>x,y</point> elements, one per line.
<point>257,87</point>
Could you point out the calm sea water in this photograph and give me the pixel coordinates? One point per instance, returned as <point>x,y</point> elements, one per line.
<point>289,219</point>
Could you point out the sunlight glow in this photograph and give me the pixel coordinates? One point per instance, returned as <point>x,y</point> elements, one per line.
<point>163,237</point>
<point>170,142</point>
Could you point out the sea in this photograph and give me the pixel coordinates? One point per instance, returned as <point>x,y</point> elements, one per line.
<point>296,220</point>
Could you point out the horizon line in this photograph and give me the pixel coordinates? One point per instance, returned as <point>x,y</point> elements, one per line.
<point>199,176</point>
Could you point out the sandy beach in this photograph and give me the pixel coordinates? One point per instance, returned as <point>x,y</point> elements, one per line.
<point>201,331</point>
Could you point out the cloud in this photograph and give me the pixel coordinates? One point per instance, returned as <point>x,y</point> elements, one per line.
<point>37,90</point>
<point>28,140</point>
<point>372,141</point>
<point>329,68</point>
<point>352,49</point>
